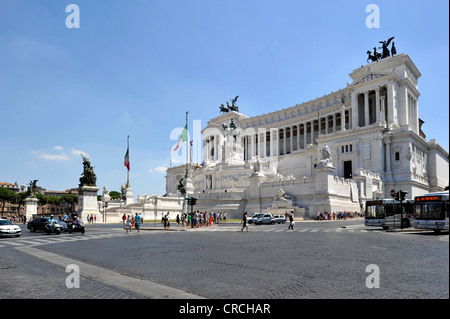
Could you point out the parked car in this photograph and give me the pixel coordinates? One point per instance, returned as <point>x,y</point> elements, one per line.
<point>265,219</point>
<point>279,219</point>
<point>7,228</point>
<point>253,218</point>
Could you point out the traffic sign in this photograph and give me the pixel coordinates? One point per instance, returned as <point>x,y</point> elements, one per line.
<point>392,193</point>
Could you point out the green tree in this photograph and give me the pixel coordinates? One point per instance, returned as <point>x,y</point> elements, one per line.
<point>70,199</point>
<point>53,200</point>
<point>20,199</point>
<point>115,195</point>
<point>6,196</point>
<point>42,200</point>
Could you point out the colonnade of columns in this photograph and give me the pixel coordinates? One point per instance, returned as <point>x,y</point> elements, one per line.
<point>213,147</point>
<point>267,142</point>
<point>369,106</point>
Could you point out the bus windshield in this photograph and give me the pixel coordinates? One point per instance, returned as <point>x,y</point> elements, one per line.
<point>430,210</point>
<point>375,211</point>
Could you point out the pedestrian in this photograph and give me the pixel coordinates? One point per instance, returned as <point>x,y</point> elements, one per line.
<point>291,221</point>
<point>124,219</point>
<point>166,221</point>
<point>128,224</point>
<point>244,220</point>
<point>137,222</point>
<point>178,220</point>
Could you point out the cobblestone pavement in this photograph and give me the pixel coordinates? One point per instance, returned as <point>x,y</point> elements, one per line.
<point>315,260</point>
<point>22,276</point>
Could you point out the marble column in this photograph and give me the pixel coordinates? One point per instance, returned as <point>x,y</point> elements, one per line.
<point>305,135</point>
<point>377,105</point>
<point>291,138</point>
<point>355,122</point>
<point>334,123</point>
<point>366,108</point>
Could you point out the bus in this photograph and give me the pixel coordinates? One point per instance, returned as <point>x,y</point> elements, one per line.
<point>396,211</point>
<point>375,210</point>
<point>431,211</point>
<point>387,213</point>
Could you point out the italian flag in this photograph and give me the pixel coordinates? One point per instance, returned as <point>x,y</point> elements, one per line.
<point>126,160</point>
<point>183,138</point>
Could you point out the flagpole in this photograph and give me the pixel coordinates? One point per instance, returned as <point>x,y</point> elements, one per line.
<point>187,146</point>
<point>128,171</point>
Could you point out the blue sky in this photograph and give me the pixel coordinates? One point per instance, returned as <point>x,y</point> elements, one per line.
<point>135,67</point>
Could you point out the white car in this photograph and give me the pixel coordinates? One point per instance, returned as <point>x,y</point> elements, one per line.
<point>280,219</point>
<point>9,229</point>
<point>265,219</point>
<point>254,217</point>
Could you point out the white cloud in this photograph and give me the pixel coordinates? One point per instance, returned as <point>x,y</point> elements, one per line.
<point>59,157</point>
<point>78,152</point>
<point>159,169</point>
<point>55,157</point>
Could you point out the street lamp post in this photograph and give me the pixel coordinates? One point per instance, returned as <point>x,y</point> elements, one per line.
<point>155,209</point>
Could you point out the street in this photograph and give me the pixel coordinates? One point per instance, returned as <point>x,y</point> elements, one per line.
<point>328,259</point>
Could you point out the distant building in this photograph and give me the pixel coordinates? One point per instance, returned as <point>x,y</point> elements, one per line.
<point>14,187</point>
<point>13,207</point>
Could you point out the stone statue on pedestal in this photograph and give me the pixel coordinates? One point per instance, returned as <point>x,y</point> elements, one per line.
<point>324,156</point>
<point>283,196</point>
<point>87,192</point>
<point>88,177</point>
<point>32,189</point>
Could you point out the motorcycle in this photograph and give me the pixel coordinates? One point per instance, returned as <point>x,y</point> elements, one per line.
<point>75,227</point>
<point>53,228</point>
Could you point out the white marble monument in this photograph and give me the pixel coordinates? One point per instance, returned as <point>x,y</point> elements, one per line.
<point>330,154</point>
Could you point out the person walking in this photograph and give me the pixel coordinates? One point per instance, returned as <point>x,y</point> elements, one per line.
<point>244,220</point>
<point>128,224</point>
<point>166,221</point>
<point>291,221</point>
<point>137,222</point>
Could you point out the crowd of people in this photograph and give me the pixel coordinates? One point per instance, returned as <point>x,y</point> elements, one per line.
<point>194,220</point>
<point>338,216</point>
<point>130,222</point>
<point>17,219</point>
<point>201,219</point>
